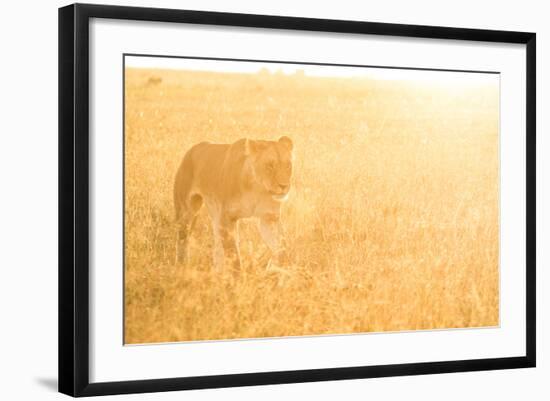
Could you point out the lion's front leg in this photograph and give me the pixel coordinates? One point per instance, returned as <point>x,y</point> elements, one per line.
<point>270,230</point>
<point>226,246</point>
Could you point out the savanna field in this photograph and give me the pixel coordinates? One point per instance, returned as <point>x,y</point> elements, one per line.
<point>392,222</point>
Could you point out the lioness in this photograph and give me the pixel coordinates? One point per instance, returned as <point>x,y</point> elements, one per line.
<point>248,178</point>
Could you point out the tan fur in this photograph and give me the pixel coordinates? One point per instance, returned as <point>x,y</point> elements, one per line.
<point>248,178</point>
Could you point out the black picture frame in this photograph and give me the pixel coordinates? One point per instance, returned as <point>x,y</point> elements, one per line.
<point>74,199</point>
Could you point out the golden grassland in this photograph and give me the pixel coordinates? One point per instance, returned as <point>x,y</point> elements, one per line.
<point>392,223</point>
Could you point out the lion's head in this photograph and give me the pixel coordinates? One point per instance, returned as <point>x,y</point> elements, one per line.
<point>271,163</point>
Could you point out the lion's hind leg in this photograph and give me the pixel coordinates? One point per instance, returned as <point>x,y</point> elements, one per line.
<point>186,220</point>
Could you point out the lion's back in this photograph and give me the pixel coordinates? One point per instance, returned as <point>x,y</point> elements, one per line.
<point>208,168</point>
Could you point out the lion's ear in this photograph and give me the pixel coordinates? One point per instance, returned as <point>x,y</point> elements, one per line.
<point>251,147</point>
<point>247,149</point>
<point>286,141</point>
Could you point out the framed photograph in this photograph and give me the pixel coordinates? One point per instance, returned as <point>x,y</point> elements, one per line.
<point>250,199</point>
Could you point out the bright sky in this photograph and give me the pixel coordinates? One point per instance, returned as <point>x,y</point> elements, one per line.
<point>310,70</point>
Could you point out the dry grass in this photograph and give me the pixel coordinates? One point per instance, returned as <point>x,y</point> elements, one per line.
<point>392,223</point>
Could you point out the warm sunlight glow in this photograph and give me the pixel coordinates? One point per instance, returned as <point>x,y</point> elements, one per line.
<point>392,74</point>
<point>372,196</point>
